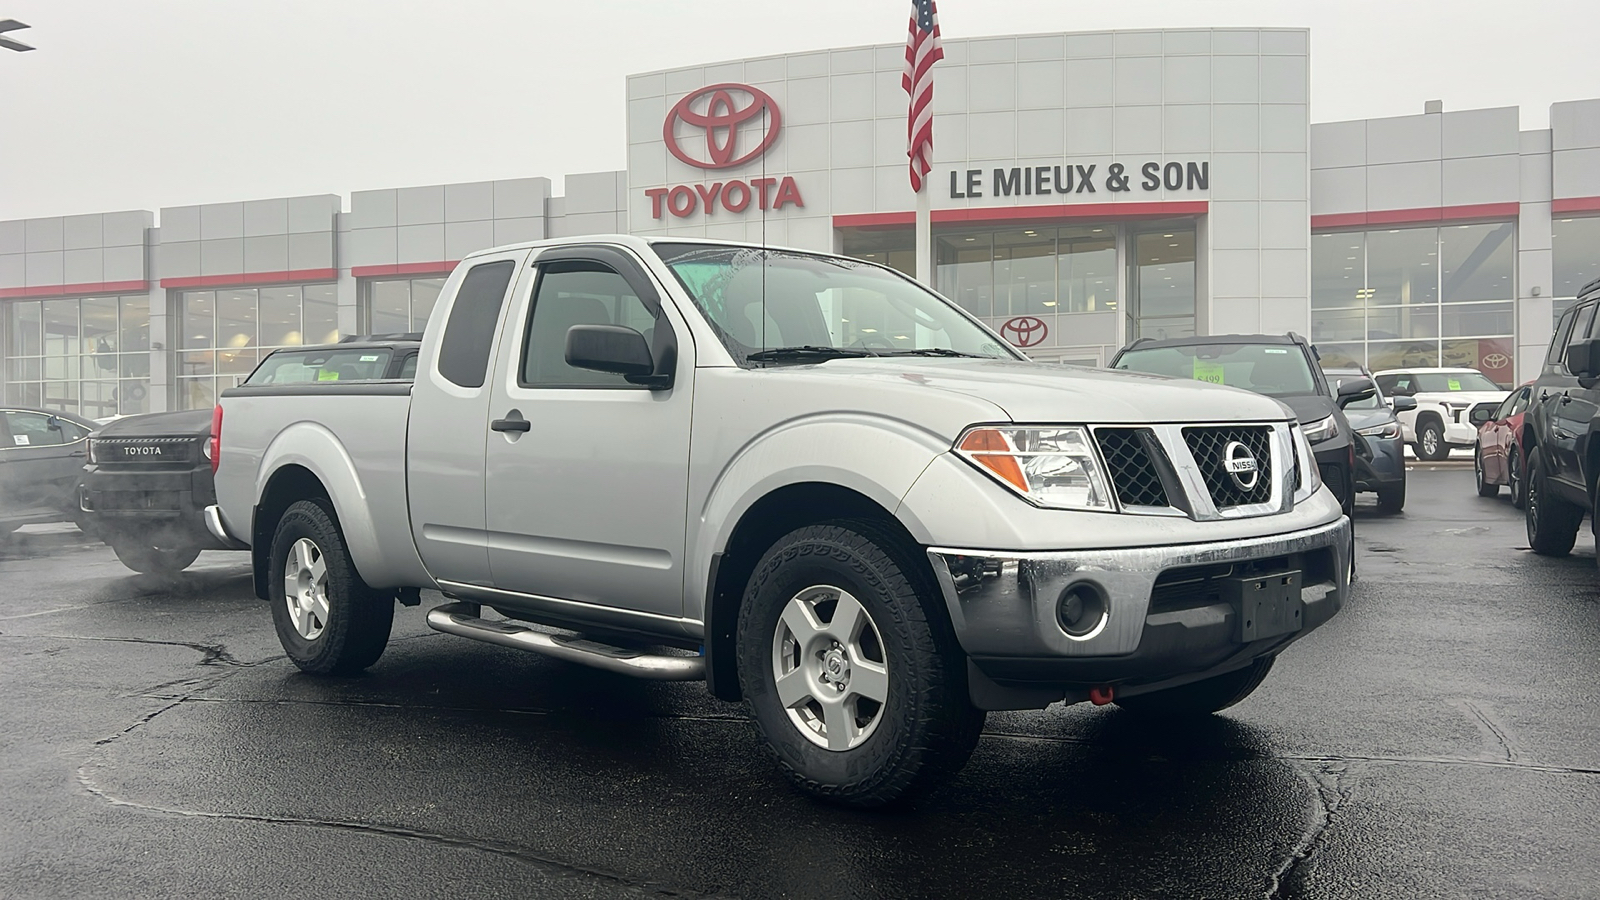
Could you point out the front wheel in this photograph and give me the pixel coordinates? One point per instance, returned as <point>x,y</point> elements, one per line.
<point>1202,698</point>
<point>1486,488</point>
<point>1392,500</point>
<point>1430,441</point>
<point>328,621</point>
<point>849,672</point>
<point>1552,522</point>
<point>154,560</point>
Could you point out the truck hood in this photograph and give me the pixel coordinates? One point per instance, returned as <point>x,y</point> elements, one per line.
<point>1044,392</point>
<point>1367,418</point>
<point>195,422</point>
<point>1310,408</point>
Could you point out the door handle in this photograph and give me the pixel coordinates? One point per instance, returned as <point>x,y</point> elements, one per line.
<point>522,426</point>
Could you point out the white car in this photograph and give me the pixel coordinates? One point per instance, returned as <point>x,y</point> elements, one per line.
<point>1444,396</point>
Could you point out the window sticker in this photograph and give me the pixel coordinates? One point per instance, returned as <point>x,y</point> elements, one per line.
<point>328,375</point>
<point>1275,350</point>
<point>372,358</point>
<point>1205,370</point>
<point>22,440</point>
<point>1454,384</point>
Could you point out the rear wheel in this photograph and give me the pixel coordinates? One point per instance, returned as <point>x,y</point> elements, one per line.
<point>851,675</point>
<point>154,560</point>
<point>1392,499</point>
<point>1515,478</point>
<point>1202,697</point>
<point>1430,441</point>
<point>1485,487</point>
<point>328,620</point>
<point>1552,522</point>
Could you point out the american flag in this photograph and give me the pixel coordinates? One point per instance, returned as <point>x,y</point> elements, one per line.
<point>922,51</point>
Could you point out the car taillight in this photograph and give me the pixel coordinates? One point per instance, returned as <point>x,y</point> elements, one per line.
<point>214,443</point>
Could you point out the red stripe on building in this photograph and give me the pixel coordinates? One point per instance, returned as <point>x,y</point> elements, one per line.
<point>1575,205</point>
<point>1057,212</point>
<point>73,290</point>
<point>244,279</point>
<point>427,268</point>
<point>1425,216</point>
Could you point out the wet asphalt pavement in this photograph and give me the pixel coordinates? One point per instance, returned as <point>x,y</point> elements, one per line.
<point>1439,738</point>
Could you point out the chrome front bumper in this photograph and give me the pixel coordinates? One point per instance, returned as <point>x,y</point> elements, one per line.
<point>1004,605</point>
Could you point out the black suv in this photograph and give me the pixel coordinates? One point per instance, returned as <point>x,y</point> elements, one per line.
<point>148,482</point>
<point>1281,366</point>
<point>1563,421</point>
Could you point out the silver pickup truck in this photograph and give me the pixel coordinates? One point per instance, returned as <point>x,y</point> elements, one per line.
<point>804,479</point>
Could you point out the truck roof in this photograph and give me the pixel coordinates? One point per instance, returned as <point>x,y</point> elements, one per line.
<point>642,244</point>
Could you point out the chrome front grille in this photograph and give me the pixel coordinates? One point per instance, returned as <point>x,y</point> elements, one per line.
<point>1131,467</point>
<point>1210,447</point>
<point>1183,469</point>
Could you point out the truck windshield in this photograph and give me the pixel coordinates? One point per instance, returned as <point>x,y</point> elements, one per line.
<point>300,366</point>
<point>1450,382</point>
<point>1276,370</point>
<point>778,306</point>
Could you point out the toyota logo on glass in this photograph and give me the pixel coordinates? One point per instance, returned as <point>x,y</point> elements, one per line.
<point>723,126</point>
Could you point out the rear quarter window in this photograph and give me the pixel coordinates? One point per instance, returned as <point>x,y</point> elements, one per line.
<point>469,333</point>
<point>308,366</point>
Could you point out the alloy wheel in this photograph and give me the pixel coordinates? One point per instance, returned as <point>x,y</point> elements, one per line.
<point>305,588</point>
<point>828,664</point>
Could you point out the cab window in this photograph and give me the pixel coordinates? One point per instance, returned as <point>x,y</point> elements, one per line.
<point>577,293</point>
<point>1580,329</point>
<point>28,429</point>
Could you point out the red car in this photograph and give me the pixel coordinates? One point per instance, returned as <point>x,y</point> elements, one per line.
<point>1501,457</point>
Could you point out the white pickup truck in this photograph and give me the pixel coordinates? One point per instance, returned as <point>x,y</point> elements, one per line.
<point>802,478</point>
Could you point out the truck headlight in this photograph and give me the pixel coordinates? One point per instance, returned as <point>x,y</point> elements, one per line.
<point>94,454</point>
<point>1321,430</point>
<point>1386,430</point>
<point>1310,477</point>
<point>1051,465</point>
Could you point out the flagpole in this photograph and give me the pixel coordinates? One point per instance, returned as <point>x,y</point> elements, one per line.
<point>925,235</point>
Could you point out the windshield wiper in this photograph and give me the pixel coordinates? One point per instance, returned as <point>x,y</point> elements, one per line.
<point>936,351</point>
<point>807,350</point>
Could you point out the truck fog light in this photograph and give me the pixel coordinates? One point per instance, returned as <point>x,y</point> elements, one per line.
<point>1081,610</point>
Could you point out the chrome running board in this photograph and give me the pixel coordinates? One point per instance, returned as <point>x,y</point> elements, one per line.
<point>462,619</point>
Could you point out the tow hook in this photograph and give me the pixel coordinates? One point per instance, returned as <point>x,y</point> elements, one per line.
<point>1102,695</point>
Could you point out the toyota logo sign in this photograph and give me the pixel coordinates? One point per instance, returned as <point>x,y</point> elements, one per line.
<point>708,128</point>
<point>1025,331</point>
<point>1496,361</point>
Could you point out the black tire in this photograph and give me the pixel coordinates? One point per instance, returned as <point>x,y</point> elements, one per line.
<point>1202,698</point>
<point>1485,487</point>
<point>154,560</point>
<point>356,629</point>
<point>1392,499</point>
<point>1430,443</point>
<point>1552,522</point>
<point>925,728</point>
<point>1518,481</point>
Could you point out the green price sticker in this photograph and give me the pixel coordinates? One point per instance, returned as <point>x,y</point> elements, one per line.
<point>1455,384</point>
<point>328,375</point>
<point>1205,370</point>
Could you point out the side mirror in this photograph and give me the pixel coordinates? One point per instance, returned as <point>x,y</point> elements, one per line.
<point>1402,404</point>
<point>611,348</point>
<point>1583,358</point>
<point>1481,415</point>
<point>1356,389</point>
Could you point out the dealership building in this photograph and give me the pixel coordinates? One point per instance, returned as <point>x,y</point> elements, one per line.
<point>1088,189</point>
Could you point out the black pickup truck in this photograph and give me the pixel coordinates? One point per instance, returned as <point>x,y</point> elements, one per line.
<point>149,478</point>
<point>1563,422</point>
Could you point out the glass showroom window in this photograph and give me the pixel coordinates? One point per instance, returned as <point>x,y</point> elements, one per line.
<point>224,334</point>
<point>1575,253</point>
<point>401,305</point>
<point>1161,284</point>
<point>895,248</point>
<point>1042,271</point>
<point>88,355</point>
<point>1416,297</point>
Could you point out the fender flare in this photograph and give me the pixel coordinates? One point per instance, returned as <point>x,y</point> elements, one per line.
<point>313,447</point>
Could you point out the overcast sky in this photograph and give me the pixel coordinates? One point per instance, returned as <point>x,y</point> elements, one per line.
<point>151,103</point>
